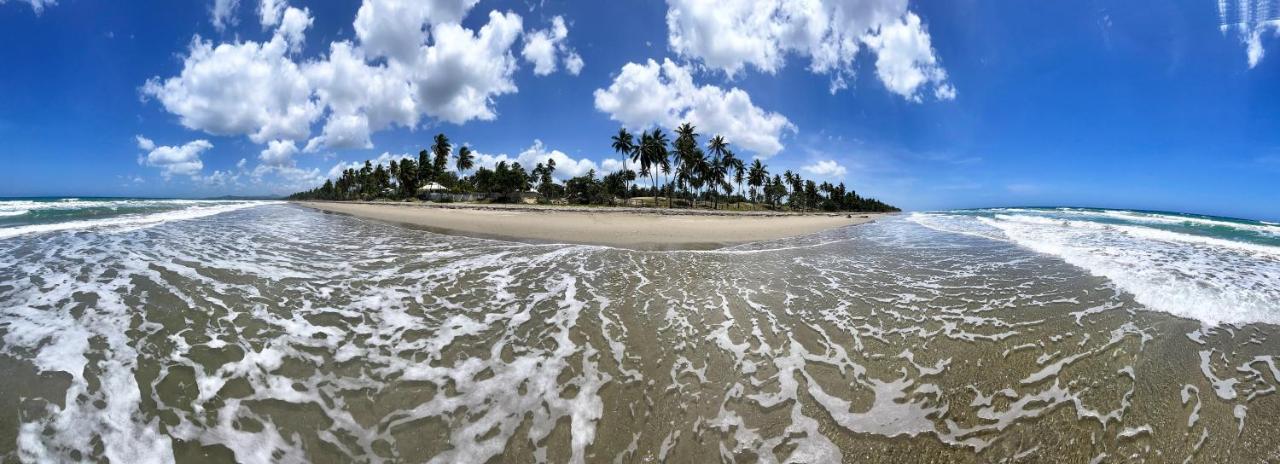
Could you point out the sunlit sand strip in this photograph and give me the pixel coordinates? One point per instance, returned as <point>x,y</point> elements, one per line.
<point>623,229</point>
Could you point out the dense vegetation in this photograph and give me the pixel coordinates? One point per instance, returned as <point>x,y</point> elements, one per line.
<point>691,176</point>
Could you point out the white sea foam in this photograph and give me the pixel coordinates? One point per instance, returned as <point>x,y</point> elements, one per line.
<point>77,204</point>
<point>355,340</point>
<point>1211,279</point>
<point>1157,218</point>
<point>130,221</point>
<point>1265,228</point>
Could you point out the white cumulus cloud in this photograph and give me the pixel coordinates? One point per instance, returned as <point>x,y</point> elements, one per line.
<point>285,179</point>
<point>826,169</point>
<point>269,12</point>
<point>174,160</point>
<point>293,24</point>
<point>278,153</point>
<point>652,94</point>
<point>223,13</point>
<point>609,165</point>
<point>730,35</point>
<point>566,166</point>
<point>905,61</point>
<point>411,59</point>
<point>384,159</point>
<point>545,48</point>
<point>461,73</point>
<point>239,89</point>
<point>396,29</point>
<point>217,179</point>
<point>145,144</point>
<point>361,98</point>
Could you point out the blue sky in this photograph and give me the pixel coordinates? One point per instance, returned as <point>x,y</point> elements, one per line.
<point>1148,104</point>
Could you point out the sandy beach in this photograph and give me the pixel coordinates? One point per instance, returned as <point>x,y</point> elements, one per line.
<point>633,228</point>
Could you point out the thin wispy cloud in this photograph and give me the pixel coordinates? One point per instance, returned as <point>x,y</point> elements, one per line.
<point>1254,21</point>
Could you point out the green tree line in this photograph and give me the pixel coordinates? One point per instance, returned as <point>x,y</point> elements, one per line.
<point>680,173</point>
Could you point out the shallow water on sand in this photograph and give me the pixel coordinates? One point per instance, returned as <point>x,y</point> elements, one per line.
<point>276,333</point>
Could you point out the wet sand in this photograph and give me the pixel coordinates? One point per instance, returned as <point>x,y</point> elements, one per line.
<point>282,334</point>
<point>633,228</point>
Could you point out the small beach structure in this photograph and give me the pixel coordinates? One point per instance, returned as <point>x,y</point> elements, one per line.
<point>431,187</point>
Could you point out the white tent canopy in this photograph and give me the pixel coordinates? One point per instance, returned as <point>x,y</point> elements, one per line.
<point>432,187</point>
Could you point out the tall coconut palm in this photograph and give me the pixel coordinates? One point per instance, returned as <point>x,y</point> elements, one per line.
<point>696,171</point>
<point>686,171</point>
<point>717,171</point>
<point>789,180</point>
<point>440,149</point>
<point>424,167</point>
<point>624,145</point>
<point>721,158</point>
<point>734,164</point>
<point>661,158</point>
<point>756,177</point>
<point>393,170</point>
<point>797,190</point>
<point>465,162</point>
<point>775,196</point>
<point>718,147</point>
<point>685,145</point>
<point>641,155</point>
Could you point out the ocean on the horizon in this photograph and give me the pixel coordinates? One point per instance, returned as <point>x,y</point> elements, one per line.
<point>21,216</point>
<point>206,330</point>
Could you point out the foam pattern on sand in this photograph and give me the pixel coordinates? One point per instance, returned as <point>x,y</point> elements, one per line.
<point>281,334</point>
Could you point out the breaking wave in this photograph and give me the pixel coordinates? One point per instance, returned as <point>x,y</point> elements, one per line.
<point>1228,273</point>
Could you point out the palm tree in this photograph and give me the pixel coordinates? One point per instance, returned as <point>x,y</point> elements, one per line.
<point>797,190</point>
<point>755,177</point>
<point>717,171</point>
<point>641,155</point>
<point>732,162</point>
<point>686,156</point>
<point>623,144</point>
<point>775,196</point>
<point>393,172</point>
<point>424,166</point>
<point>717,147</point>
<point>441,150</point>
<point>465,161</point>
<point>697,171</point>
<point>659,155</point>
<point>790,179</point>
<point>721,158</point>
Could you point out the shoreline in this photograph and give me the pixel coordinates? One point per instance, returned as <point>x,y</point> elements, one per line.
<point>622,227</point>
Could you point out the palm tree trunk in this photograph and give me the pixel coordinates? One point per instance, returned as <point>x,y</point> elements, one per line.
<point>669,191</point>
<point>653,180</point>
